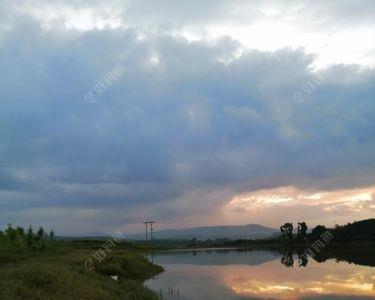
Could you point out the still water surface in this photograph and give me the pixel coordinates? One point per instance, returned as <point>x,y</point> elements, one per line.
<point>234,275</point>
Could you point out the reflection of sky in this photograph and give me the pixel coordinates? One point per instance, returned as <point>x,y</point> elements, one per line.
<point>266,280</point>
<point>273,280</point>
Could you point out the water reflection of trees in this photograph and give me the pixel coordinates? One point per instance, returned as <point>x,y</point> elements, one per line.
<point>363,255</point>
<point>302,259</point>
<point>291,256</point>
<point>288,259</point>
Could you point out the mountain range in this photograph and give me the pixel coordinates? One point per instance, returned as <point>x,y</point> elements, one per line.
<point>250,231</point>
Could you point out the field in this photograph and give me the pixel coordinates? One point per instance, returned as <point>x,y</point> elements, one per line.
<point>59,272</point>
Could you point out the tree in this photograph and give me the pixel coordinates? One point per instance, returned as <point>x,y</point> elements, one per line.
<point>283,232</point>
<point>20,234</point>
<point>51,235</point>
<point>10,233</point>
<point>318,230</point>
<point>29,236</point>
<point>40,233</point>
<point>302,230</point>
<point>18,237</point>
<point>287,231</point>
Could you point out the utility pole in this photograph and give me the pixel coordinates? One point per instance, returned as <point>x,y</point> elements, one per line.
<point>151,228</point>
<point>146,223</point>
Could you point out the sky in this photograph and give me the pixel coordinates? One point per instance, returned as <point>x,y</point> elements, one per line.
<point>186,112</point>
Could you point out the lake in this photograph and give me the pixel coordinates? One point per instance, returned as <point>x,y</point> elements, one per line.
<point>239,274</point>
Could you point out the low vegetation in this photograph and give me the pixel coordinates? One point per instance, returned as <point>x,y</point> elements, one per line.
<point>34,266</point>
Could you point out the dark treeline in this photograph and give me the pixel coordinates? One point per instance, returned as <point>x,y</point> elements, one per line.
<point>21,238</point>
<point>363,231</point>
<point>360,231</point>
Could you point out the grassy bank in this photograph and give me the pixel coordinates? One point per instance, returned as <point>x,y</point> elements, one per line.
<point>58,272</point>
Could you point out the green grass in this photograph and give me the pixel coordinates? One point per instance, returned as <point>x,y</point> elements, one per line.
<point>59,273</point>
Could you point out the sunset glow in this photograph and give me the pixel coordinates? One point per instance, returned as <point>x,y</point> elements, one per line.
<point>352,203</point>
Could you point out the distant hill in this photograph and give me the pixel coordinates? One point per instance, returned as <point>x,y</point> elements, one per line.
<point>251,231</point>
